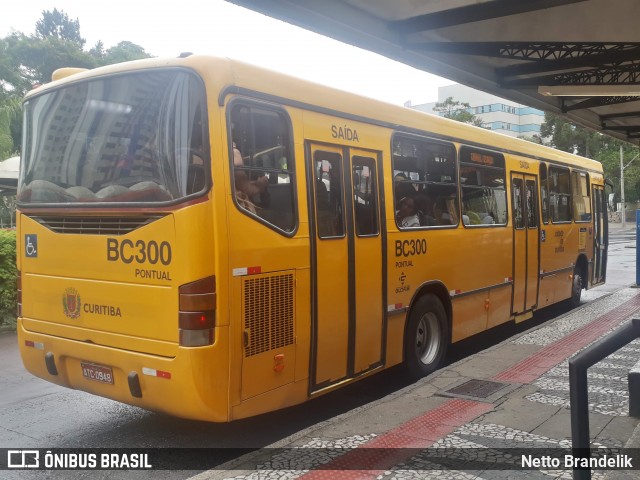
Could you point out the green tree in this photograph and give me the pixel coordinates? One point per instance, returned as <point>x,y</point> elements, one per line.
<point>123,52</point>
<point>57,24</point>
<point>29,60</point>
<point>8,278</point>
<point>458,111</point>
<point>10,131</point>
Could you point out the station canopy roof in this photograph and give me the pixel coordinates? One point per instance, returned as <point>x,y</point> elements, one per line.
<point>578,58</point>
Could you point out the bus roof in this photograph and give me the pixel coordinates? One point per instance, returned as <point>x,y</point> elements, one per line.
<point>225,72</point>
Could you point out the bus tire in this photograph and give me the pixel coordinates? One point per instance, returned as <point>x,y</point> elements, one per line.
<point>577,283</point>
<point>426,338</point>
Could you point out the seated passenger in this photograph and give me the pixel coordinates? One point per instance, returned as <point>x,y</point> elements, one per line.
<point>246,189</point>
<point>407,213</point>
<point>488,220</point>
<point>424,204</point>
<point>444,211</point>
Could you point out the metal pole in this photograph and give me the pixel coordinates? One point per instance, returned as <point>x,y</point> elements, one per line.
<point>622,185</point>
<point>637,249</point>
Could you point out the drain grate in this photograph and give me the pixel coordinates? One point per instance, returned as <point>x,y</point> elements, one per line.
<point>477,388</point>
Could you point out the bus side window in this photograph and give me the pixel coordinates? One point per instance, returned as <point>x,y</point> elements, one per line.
<point>544,192</point>
<point>559,194</point>
<point>425,171</point>
<point>482,181</point>
<point>260,149</point>
<point>580,196</point>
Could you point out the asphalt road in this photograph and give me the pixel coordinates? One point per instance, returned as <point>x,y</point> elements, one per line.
<point>35,413</point>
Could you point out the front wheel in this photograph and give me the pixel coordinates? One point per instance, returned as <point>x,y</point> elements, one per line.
<point>426,338</point>
<point>576,288</point>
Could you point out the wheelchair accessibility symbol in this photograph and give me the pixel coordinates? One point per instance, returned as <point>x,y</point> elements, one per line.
<point>31,246</point>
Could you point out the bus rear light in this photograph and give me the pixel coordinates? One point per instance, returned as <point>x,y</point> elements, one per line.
<point>196,338</point>
<point>196,320</point>
<point>197,312</point>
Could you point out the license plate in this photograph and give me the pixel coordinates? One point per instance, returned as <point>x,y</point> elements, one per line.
<point>98,373</point>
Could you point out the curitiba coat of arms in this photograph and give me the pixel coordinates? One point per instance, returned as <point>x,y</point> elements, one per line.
<point>71,303</point>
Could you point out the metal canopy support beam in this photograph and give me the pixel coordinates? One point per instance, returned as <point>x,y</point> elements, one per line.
<point>604,118</point>
<point>527,50</point>
<point>613,55</point>
<point>472,13</point>
<point>618,75</point>
<point>622,128</point>
<point>595,102</point>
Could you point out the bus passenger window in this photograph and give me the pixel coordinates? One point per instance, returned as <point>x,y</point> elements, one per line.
<point>482,180</point>
<point>425,171</point>
<point>559,194</point>
<point>544,192</point>
<point>580,197</point>
<point>263,169</point>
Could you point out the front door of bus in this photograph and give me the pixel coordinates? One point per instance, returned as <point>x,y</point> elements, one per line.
<point>600,235</point>
<point>526,252</point>
<point>347,260</point>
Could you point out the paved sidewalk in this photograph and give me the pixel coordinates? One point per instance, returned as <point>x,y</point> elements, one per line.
<point>528,408</point>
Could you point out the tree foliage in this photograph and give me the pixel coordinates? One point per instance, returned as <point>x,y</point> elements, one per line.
<point>456,110</point>
<point>57,24</point>
<point>8,276</point>
<point>28,60</point>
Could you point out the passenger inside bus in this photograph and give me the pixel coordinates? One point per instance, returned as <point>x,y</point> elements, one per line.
<point>407,213</point>
<point>444,211</point>
<point>247,189</point>
<point>424,205</point>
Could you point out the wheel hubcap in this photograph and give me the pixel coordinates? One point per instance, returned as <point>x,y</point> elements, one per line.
<point>428,338</point>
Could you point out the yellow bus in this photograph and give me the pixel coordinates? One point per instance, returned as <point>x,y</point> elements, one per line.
<point>213,240</point>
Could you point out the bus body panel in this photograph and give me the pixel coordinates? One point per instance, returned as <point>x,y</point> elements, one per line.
<point>196,388</point>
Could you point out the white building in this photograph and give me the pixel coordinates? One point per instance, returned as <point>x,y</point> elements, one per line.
<point>498,114</point>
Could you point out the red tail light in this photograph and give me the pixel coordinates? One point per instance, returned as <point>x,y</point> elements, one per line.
<point>197,316</point>
<point>19,293</point>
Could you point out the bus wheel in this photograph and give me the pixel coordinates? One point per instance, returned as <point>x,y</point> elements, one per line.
<point>576,288</point>
<point>427,337</point>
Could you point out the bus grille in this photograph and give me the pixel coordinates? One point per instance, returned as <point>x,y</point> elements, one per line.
<point>94,225</point>
<point>268,312</point>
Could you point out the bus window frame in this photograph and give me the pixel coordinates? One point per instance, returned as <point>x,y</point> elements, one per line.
<point>544,182</point>
<point>586,174</point>
<point>506,192</point>
<point>560,222</point>
<point>396,135</point>
<point>280,109</point>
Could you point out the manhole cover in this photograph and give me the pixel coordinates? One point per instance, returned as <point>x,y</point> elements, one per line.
<point>477,388</point>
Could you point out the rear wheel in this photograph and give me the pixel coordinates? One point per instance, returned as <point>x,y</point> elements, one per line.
<point>576,288</point>
<point>427,337</point>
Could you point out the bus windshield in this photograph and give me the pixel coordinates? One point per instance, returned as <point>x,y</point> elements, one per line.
<point>125,138</point>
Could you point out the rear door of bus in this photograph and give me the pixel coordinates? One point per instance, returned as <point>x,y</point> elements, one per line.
<point>347,263</point>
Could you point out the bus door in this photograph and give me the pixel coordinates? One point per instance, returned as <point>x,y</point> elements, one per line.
<point>526,252</point>
<point>600,235</point>
<point>347,263</point>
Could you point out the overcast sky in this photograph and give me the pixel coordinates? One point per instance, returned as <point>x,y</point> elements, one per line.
<point>219,28</point>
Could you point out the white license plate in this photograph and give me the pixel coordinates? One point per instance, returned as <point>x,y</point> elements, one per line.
<point>98,373</point>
